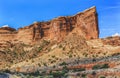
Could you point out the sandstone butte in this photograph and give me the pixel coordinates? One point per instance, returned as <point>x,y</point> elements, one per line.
<point>56,29</point>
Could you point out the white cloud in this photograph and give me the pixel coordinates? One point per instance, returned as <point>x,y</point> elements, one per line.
<point>116,34</point>
<point>5,26</point>
<point>35,22</point>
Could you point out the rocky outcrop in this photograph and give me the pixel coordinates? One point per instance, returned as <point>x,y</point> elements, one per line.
<point>6,29</point>
<point>114,41</point>
<point>7,34</point>
<point>86,22</point>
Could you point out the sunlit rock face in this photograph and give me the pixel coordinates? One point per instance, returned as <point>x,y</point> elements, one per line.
<point>86,22</point>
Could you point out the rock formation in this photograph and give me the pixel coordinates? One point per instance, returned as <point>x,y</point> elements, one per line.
<point>55,29</point>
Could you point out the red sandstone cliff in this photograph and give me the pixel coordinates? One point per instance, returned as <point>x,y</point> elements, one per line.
<point>56,29</point>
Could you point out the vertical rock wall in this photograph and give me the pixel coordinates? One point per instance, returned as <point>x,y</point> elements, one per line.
<point>86,22</point>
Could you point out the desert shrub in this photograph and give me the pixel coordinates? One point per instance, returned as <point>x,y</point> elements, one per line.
<point>63,48</point>
<point>6,71</point>
<point>70,56</point>
<point>43,72</point>
<point>83,75</point>
<point>104,53</point>
<point>79,69</point>
<point>25,45</point>
<point>49,59</point>
<point>53,56</point>
<point>60,74</point>
<point>36,73</point>
<point>60,46</point>
<point>46,42</point>
<point>115,54</point>
<point>102,77</point>
<point>74,55</point>
<point>63,63</point>
<point>33,61</point>
<point>96,67</point>
<point>65,69</point>
<point>57,74</point>
<point>40,48</point>
<point>93,73</point>
<point>93,55</point>
<point>56,58</point>
<point>78,74</point>
<point>44,64</point>
<point>85,54</point>
<point>39,64</point>
<point>100,66</point>
<point>26,60</point>
<point>53,61</point>
<point>11,61</point>
<point>54,66</point>
<point>94,60</point>
<point>105,66</point>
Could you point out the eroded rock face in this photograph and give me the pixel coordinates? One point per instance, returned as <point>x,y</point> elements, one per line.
<point>87,22</point>
<point>56,29</point>
<point>59,28</point>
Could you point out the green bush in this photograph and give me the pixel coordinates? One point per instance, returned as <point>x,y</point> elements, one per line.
<point>102,76</point>
<point>60,46</point>
<point>103,66</point>
<point>6,71</point>
<point>53,61</point>
<point>46,42</point>
<point>53,56</point>
<point>83,75</point>
<point>65,69</point>
<point>40,48</point>
<point>63,63</point>
<point>70,56</point>
<point>44,64</point>
<point>80,69</point>
<point>57,74</point>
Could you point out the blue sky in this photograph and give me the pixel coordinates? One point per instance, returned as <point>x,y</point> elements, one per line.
<point>19,13</point>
